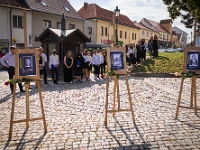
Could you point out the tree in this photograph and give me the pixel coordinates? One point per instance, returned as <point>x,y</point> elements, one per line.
<point>186,9</point>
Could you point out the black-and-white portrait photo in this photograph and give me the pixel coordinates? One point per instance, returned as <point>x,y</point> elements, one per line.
<point>117,60</point>
<point>27,64</point>
<point>193,60</point>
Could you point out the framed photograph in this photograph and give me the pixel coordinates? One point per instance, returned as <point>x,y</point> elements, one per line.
<point>116,60</point>
<point>192,60</point>
<point>27,63</point>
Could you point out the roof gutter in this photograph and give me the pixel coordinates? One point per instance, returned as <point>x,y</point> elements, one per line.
<point>56,14</point>
<point>15,7</point>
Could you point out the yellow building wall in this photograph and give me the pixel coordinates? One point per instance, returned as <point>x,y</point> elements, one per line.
<point>111,33</point>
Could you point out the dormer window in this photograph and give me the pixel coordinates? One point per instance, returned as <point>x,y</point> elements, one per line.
<point>43,3</point>
<point>66,8</point>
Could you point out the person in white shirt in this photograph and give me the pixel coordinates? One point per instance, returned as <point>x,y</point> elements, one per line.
<point>96,63</point>
<point>85,71</point>
<point>89,62</point>
<point>53,65</point>
<point>8,61</point>
<point>44,61</point>
<point>102,66</point>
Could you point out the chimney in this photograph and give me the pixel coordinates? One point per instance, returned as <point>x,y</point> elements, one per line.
<point>85,5</point>
<point>63,22</point>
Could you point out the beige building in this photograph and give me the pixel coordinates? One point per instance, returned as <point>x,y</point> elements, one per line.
<point>100,26</point>
<point>162,34</point>
<point>47,14</point>
<point>144,32</point>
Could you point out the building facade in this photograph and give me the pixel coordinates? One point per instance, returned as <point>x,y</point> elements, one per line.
<point>12,24</point>
<point>162,34</point>
<point>182,37</point>
<point>100,25</point>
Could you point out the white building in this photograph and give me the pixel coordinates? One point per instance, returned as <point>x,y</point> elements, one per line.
<point>182,36</point>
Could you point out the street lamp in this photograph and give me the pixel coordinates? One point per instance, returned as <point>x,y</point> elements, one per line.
<point>191,38</point>
<point>117,12</point>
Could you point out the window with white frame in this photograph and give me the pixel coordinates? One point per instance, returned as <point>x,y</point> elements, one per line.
<point>46,24</point>
<point>17,21</point>
<point>89,30</point>
<point>58,25</point>
<point>142,32</point>
<point>101,30</point>
<point>71,26</point>
<point>106,31</point>
<point>132,36</point>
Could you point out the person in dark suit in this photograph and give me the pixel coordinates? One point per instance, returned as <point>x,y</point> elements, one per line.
<point>155,46</point>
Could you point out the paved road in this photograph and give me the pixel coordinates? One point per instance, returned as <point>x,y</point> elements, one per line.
<point>75,117</point>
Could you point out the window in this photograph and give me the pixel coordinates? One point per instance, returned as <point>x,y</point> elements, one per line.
<point>20,45</point>
<point>167,37</point>
<point>120,34</point>
<point>71,26</point>
<point>132,36</point>
<point>125,34</point>
<point>101,30</point>
<point>46,24</point>
<point>163,37</point>
<point>147,33</point>
<point>89,30</point>
<point>17,21</point>
<point>160,36</point>
<point>58,25</point>
<point>151,33</point>
<point>142,32</point>
<point>106,31</point>
<point>43,3</point>
<point>135,36</point>
<point>67,9</point>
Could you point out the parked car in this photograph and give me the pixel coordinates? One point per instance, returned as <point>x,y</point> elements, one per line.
<point>170,50</point>
<point>180,49</point>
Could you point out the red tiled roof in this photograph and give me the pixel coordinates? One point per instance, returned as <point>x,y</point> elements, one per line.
<point>157,26</point>
<point>93,11</point>
<point>54,7</point>
<point>141,26</point>
<point>15,3</point>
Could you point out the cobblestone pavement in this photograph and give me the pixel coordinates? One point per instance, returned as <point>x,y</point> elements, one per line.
<point>75,117</point>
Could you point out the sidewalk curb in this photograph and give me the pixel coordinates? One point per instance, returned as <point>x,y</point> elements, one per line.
<point>150,74</point>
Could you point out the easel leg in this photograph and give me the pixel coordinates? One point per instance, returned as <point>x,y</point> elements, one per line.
<point>195,94</point>
<point>191,96</point>
<point>42,108</point>
<point>118,97</point>
<point>27,105</point>
<point>12,111</point>
<point>106,106</point>
<point>129,98</point>
<point>179,97</point>
<point>114,91</point>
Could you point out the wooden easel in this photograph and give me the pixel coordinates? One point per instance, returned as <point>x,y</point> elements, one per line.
<point>116,89</point>
<point>193,96</point>
<point>27,109</point>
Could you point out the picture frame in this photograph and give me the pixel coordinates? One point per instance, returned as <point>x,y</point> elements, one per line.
<point>27,64</point>
<point>116,60</point>
<point>192,60</point>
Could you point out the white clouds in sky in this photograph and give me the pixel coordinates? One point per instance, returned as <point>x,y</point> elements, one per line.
<point>136,9</point>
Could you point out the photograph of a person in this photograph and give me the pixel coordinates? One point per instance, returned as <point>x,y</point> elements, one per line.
<point>117,60</point>
<point>27,66</point>
<point>193,60</point>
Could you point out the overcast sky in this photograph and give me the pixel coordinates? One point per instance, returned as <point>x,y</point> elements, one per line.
<point>136,10</point>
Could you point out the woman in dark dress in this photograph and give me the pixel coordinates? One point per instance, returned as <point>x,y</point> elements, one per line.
<point>155,46</point>
<point>68,63</point>
<point>150,44</point>
<point>139,52</point>
<point>79,63</point>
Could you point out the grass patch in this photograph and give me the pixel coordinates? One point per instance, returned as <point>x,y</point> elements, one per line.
<point>164,63</point>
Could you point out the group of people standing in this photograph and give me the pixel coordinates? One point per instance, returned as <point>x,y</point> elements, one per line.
<point>136,53</point>
<point>83,64</point>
